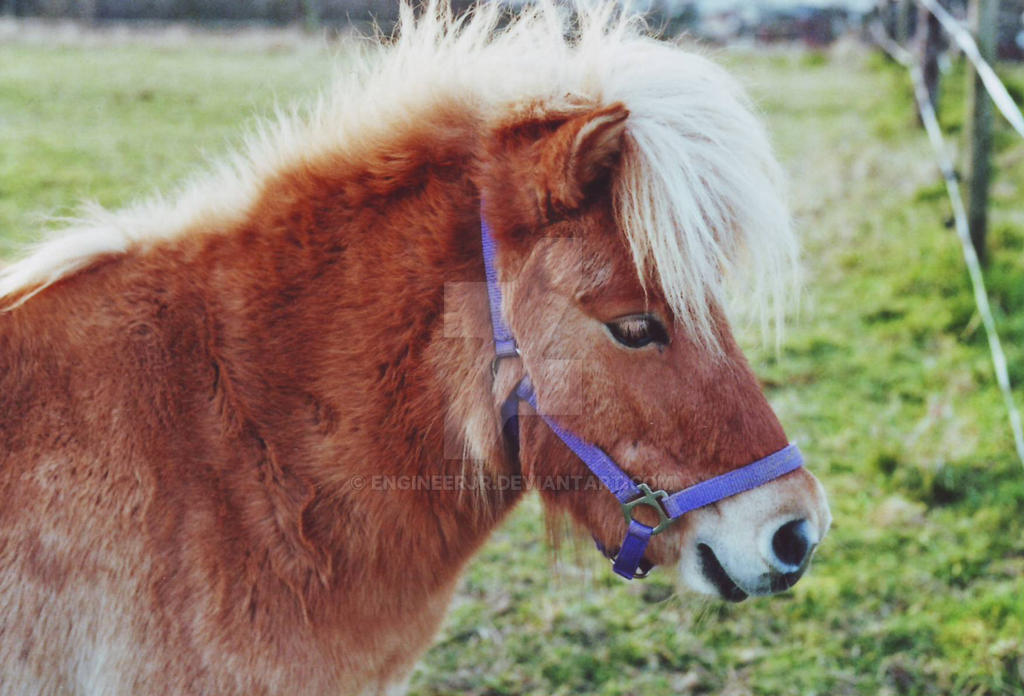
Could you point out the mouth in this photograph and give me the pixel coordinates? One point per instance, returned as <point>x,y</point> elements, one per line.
<point>727,587</point>
<point>714,572</point>
<point>784,581</point>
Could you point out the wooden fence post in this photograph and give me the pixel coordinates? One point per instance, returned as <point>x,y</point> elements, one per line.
<point>929,46</point>
<point>978,125</point>
<point>904,20</point>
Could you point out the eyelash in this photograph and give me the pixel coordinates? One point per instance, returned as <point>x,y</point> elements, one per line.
<point>638,330</point>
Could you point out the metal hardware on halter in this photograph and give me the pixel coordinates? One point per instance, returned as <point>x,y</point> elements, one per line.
<point>650,499</point>
<point>628,561</point>
<point>642,571</point>
<point>514,353</point>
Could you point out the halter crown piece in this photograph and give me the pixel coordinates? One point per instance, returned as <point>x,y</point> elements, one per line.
<point>628,560</point>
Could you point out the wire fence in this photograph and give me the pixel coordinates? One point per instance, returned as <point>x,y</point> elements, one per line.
<point>1001,97</point>
<point>995,87</point>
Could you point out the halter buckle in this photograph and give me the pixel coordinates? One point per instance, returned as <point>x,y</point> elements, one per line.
<point>652,499</point>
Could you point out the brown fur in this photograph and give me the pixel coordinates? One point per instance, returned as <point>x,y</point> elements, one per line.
<point>181,427</point>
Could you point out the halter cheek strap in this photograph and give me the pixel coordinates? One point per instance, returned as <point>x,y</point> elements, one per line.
<point>628,560</point>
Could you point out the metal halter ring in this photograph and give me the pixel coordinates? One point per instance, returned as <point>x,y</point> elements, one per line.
<point>501,356</point>
<point>643,568</point>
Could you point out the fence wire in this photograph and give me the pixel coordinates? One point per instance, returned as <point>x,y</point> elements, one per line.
<point>995,87</point>
<point>963,232</point>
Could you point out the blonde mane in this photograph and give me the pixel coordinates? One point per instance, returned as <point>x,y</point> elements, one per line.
<point>699,195</point>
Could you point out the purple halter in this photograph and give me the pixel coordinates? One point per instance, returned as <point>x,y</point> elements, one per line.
<point>628,560</point>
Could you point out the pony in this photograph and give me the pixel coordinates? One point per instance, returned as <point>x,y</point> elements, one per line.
<point>251,433</point>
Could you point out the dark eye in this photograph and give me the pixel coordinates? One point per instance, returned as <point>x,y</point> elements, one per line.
<point>638,330</point>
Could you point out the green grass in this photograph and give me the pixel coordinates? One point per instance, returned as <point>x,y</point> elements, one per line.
<point>884,379</point>
<point>116,123</point>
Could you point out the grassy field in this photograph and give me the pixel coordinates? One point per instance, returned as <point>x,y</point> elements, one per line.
<point>884,380</point>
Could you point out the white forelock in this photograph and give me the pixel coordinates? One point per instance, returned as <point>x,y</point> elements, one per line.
<point>699,197</point>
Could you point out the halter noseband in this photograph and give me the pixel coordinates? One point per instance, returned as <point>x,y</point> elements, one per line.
<point>628,561</point>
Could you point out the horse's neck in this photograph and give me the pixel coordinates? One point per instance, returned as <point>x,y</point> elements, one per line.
<point>356,346</point>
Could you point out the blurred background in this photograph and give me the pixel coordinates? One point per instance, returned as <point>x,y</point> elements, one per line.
<point>812,22</point>
<point>885,376</point>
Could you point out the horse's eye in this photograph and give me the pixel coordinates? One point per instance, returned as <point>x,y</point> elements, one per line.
<point>638,330</point>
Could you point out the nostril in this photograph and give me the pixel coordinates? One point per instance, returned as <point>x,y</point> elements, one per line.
<point>791,543</point>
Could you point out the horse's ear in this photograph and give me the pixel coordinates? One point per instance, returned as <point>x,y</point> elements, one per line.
<point>552,164</point>
<point>579,155</point>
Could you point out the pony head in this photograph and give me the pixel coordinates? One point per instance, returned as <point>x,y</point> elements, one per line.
<point>622,216</point>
